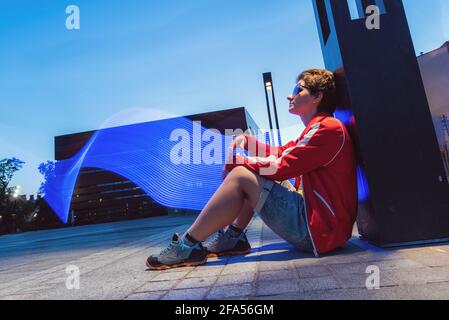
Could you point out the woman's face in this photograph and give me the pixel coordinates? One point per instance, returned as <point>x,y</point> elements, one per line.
<point>304,103</point>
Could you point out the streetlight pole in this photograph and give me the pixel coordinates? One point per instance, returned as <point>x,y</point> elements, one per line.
<point>268,86</point>
<point>276,116</point>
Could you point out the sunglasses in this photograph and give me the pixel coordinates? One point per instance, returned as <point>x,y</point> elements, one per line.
<point>298,88</point>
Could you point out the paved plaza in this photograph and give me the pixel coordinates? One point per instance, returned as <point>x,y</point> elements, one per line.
<point>111,257</point>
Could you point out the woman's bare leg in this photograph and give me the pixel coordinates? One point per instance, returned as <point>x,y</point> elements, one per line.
<point>244,217</point>
<point>241,186</point>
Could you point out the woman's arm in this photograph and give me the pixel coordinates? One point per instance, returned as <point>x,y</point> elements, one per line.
<point>257,148</point>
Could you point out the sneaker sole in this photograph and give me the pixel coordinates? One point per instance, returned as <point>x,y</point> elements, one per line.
<point>172,266</point>
<point>228,253</point>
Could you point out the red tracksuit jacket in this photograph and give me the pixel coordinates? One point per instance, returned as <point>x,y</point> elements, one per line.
<point>323,161</point>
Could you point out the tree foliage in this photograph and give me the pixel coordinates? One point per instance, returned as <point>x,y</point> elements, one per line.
<point>8,167</point>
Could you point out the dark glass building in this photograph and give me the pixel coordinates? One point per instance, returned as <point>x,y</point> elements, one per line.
<point>102,196</point>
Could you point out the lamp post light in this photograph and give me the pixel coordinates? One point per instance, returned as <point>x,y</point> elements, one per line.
<point>268,87</point>
<point>16,192</point>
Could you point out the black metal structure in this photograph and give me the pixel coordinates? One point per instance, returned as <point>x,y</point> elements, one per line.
<point>385,106</point>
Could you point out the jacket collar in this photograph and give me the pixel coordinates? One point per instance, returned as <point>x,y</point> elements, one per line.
<point>318,117</point>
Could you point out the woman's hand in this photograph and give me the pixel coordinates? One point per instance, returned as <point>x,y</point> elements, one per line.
<point>238,142</point>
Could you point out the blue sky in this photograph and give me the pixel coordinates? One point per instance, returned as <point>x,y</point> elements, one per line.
<point>157,57</point>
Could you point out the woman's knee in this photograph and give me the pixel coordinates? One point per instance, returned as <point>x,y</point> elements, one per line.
<point>240,171</point>
<point>248,181</point>
<point>243,175</point>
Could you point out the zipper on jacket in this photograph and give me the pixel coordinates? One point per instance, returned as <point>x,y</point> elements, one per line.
<point>315,252</point>
<point>324,202</point>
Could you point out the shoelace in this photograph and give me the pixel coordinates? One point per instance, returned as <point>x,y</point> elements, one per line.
<point>170,246</point>
<point>218,235</point>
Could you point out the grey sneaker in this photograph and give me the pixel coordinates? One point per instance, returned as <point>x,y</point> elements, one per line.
<point>225,244</point>
<point>178,254</point>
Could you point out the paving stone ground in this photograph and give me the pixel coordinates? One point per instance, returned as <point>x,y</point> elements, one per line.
<point>111,259</point>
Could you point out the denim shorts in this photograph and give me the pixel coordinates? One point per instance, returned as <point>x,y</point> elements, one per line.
<point>283,210</point>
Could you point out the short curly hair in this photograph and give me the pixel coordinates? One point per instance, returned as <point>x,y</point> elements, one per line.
<point>321,80</point>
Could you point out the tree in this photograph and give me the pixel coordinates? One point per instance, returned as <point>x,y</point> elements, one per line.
<point>7,169</point>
